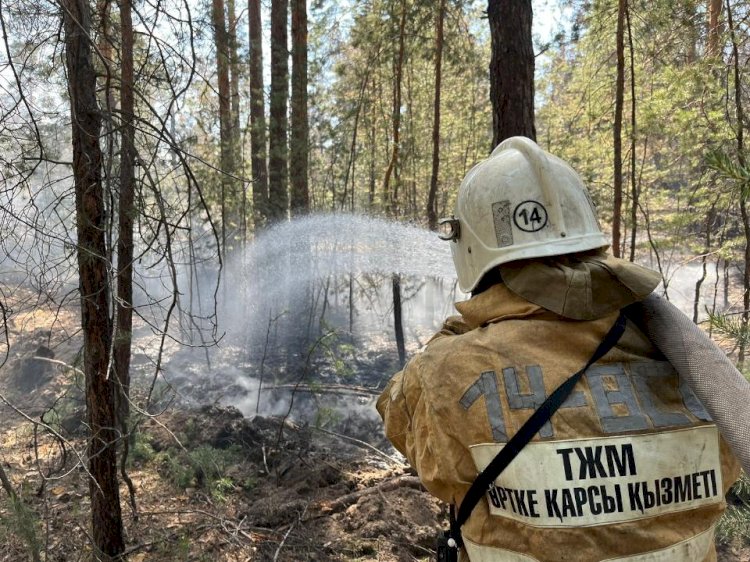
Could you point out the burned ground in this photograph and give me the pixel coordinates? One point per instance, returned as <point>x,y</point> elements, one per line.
<point>210,483</point>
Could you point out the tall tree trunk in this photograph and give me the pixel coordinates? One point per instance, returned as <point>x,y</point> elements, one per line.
<point>743,192</point>
<point>371,138</point>
<point>93,279</point>
<point>390,197</point>
<point>617,130</point>
<point>298,156</point>
<point>349,173</point>
<point>714,28</point>
<point>124,305</point>
<point>432,196</point>
<point>126,217</point>
<point>257,116</point>
<point>237,197</point>
<point>634,192</point>
<point>105,49</point>
<point>511,70</point>
<point>225,118</point>
<point>277,162</point>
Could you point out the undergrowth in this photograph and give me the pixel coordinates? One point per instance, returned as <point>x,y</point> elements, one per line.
<point>734,526</point>
<point>205,468</point>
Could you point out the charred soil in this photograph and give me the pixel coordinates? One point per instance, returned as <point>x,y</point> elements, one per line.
<point>209,484</point>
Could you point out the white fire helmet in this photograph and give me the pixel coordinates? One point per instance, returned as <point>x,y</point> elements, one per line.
<point>520,203</point>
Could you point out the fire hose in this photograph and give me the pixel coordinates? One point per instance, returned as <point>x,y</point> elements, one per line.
<point>712,377</point>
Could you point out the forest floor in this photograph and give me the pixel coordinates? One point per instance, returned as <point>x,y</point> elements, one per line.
<point>209,483</point>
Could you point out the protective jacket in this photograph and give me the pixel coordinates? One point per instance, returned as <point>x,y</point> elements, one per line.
<point>631,468</point>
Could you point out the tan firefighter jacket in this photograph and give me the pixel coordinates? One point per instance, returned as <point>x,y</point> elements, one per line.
<point>630,468</point>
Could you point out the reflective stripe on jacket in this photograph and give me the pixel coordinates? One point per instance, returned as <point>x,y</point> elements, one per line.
<point>630,467</point>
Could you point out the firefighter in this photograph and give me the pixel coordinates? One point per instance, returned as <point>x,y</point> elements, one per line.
<point>630,467</point>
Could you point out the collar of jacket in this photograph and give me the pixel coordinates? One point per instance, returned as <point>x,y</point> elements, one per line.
<point>495,304</point>
<point>583,286</point>
<point>578,287</point>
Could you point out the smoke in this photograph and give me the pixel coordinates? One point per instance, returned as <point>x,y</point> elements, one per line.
<point>309,302</point>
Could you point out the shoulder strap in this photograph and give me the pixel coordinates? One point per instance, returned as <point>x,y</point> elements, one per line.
<point>528,430</point>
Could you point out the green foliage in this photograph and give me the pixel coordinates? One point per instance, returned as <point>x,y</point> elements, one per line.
<point>734,526</point>
<point>731,326</point>
<point>141,451</point>
<point>204,467</point>
<point>352,78</point>
<point>739,175</point>
<point>23,523</point>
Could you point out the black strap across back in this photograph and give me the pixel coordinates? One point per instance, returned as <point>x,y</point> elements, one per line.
<point>527,432</point>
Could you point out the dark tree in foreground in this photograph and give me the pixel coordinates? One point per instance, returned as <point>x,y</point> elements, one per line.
<point>617,130</point>
<point>299,145</point>
<point>257,116</point>
<point>93,279</point>
<point>511,70</point>
<point>432,194</point>
<point>278,198</point>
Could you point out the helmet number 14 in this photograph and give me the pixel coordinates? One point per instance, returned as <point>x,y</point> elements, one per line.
<point>530,216</point>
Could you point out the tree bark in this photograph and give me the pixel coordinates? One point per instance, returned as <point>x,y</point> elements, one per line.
<point>714,28</point>
<point>743,192</point>
<point>257,116</point>
<point>617,130</point>
<point>124,310</point>
<point>398,323</point>
<point>511,70</point>
<point>277,163</point>
<point>390,198</point>
<point>298,154</point>
<point>218,21</point>
<point>93,279</point>
<point>432,195</point>
<point>237,196</point>
<point>634,191</point>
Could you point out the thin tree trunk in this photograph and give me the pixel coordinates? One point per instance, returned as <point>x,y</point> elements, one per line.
<point>257,116</point>
<point>743,194</point>
<point>93,280</point>
<point>617,130</point>
<point>225,118</point>
<point>236,194</point>
<point>432,196</point>
<point>373,154</point>
<point>511,70</point>
<point>710,220</point>
<point>349,173</point>
<point>714,28</point>
<point>398,323</point>
<point>124,306</point>
<point>298,154</point>
<point>390,197</point>
<point>277,162</point>
<point>634,192</point>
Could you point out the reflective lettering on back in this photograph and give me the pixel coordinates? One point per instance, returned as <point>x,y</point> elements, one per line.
<point>622,393</point>
<point>654,383</point>
<point>527,401</point>
<point>486,385</point>
<point>625,397</point>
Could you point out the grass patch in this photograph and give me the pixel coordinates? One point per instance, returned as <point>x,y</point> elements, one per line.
<point>205,468</point>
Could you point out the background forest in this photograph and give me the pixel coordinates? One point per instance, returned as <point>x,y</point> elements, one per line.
<point>179,180</point>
